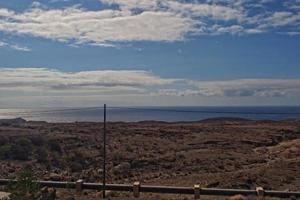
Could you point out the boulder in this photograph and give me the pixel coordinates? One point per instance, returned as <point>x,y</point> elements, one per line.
<point>123,168</point>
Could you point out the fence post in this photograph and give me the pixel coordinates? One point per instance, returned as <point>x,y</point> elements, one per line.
<point>197,191</point>
<point>79,184</point>
<point>260,192</point>
<point>136,189</point>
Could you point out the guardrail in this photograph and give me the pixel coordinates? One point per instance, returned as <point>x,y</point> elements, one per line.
<point>137,188</point>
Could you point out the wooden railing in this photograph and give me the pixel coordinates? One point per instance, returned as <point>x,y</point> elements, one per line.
<point>136,188</point>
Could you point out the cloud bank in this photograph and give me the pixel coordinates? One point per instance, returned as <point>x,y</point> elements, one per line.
<point>247,88</point>
<point>45,81</point>
<point>48,80</point>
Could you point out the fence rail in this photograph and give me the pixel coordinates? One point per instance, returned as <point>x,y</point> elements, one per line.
<point>136,188</point>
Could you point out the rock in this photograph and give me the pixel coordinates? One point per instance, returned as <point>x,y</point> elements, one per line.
<point>11,170</point>
<point>55,177</point>
<point>47,194</point>
<point>76,167</point>
<point>4,196</point>
<point>238,197</point>
<point>100,171</point>
<point>123,168</point>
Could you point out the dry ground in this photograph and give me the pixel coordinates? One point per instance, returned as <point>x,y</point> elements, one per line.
<point>224,153</point>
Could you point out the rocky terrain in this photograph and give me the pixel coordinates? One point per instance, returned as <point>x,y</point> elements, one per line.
<point>224,153</point>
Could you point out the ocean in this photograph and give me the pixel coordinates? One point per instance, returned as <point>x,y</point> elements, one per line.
<point>168,114</point>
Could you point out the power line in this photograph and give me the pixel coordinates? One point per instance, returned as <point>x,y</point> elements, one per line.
<point>37,112</point>
<point>207,111</point>
<point>154,109</point>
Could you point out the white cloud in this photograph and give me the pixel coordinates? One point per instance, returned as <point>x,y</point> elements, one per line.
<point>98,27</point>
<point>234,30</point>
<point>2,44</point>
<point>215,12</point>
<point>5,12</point>
<point>130,4</point>
<point>283,18</point>
<point>37,4</point>
<point>148,20</point>
<point>292,33</point>
<point>19,47</point>
<point>292,4</point>
<point>14,46</point>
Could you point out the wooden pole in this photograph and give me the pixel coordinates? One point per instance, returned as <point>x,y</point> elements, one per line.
<point>104,150</point>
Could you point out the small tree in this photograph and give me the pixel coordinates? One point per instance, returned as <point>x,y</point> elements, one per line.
<point>25,188</point>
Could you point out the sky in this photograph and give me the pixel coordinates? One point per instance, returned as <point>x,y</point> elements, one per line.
<point>76,53</point>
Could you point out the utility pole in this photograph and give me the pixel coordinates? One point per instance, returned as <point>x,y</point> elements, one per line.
<point>104,150</point>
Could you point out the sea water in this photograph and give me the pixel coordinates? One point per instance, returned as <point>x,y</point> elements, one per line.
<point>168,114</point>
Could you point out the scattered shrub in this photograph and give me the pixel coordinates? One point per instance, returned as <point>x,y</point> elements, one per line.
<point>42,155</point>
<point>76,160</point>
<point>54,146</point>
<point>74,155</point>
<point>22,149</point>
<point>57,161</point>
<point>24,142</point>
<point>76,166</point>
<point>128,148</point>
<point>3,141</point>
<point>38,140</point>
<point>118,157</point>
<point>19,153</point>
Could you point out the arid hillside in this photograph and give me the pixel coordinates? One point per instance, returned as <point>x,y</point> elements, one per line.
<point>225,153</point>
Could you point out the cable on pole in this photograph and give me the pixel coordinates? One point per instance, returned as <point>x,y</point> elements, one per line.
<point>104,150</point>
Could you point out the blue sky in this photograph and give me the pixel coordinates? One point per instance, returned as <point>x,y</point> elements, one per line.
<point>145,52</point>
